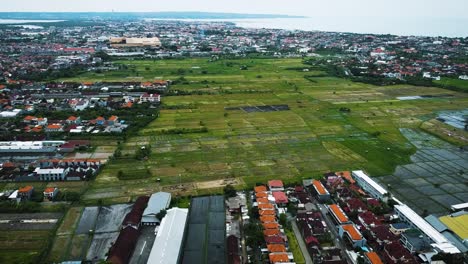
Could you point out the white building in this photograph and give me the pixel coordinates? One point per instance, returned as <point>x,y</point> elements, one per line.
<point>440,242</point>
<point>51,174</point>
<point>370,186</point>
<point>150,98</point>
<point>158,201</point>
<point>168,242</point>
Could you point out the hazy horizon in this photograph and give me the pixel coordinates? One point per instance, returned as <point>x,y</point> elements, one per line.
<point>317,8</point>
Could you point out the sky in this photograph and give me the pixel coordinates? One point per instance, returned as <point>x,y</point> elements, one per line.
<point>311,8</point>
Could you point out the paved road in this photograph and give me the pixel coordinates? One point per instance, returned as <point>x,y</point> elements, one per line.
<point>301,242</point>
<point>331,226</point>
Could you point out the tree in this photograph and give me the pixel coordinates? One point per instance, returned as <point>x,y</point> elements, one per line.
<point>283,219</point>
<point>161,214</point>
<point>229,191</point>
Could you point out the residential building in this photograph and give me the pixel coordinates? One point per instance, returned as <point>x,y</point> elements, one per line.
<point>158,201</point>
<point>50,193</point>
<point>54,128</point>
<point>352,234</point>
<point>276,185</point>
<point>338,215</point>
<point>370,186</point>
<point>372,258</point>
<point>414,241</point>
<point>25,192</point>
<point>150,98</point>
<point>320,190</point>
<point>398,228</point>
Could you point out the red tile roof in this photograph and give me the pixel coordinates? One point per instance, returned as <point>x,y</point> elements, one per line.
<point>275,183</point>
<point>280,197</point>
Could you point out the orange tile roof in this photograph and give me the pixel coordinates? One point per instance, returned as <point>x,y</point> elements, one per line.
<point>270,225</point>
<point>37,129</point>
<point>100,118</point>
<point>339,213</point>
<point>267,218</point>
<point>267,212</point>
<point>276,248</point>
<point>25,189</point>
<point>262,200</point>
<point>72,118</point>
<point>29,118</point>
<point>352,231</point>
<point>261,195</point>
<point>278,257</point>
<point>266,206</point>
<point>260,189</point>
<point>346,175</point>
<point>271,232</point>
<point>49,189</point>
<point>374,258</point>
<point>54,126</point>
<point>128,105</point>
<point>113,118</point>
<point>319,186</point>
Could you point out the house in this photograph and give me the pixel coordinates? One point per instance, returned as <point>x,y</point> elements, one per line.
<point>54,128</point>
<point>278,257</point>
<point>352,235</point>
<point>42,121</point>
<point>337,214</point>
<point>320,190</point>
<point>150,98</point>
<point>50,193</point>
<point>25,192</point>
<point>100,121</point>
<point>276,185</point>
<point>73,120</point>
<point>280,198</point>
<point>113,120</point>
<point>372,258</point>
<point>398,228</point>
<point>158,201</point>
<point>233,253</point>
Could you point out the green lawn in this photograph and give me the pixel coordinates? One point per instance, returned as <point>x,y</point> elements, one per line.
<point>294,247</point>
<point>462,84</point>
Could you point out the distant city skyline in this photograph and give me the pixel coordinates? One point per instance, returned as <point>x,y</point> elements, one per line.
<point>311,8</point>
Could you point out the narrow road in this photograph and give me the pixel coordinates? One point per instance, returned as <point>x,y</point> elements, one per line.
<point>331,226</point>
<point>301,242</point>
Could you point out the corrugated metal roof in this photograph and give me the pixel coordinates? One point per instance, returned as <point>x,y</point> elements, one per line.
<point>157,202</point>
<point>168,243</point>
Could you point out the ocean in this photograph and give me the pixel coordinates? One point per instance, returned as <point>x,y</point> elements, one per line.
<point>407,26</point>
<point>446,27</point>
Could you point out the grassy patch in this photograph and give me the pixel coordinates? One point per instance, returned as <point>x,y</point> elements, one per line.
<point>294,247</point>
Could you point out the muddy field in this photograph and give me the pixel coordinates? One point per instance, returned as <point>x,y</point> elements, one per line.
<point>435,180</point>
